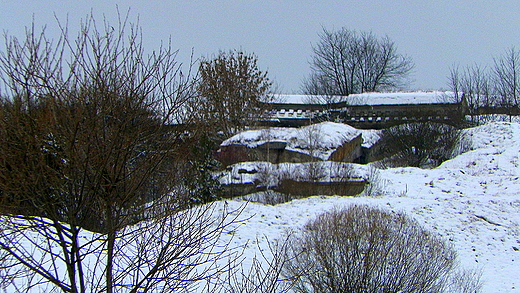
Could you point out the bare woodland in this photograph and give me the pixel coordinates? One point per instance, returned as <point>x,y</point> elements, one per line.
<point>493,89</point>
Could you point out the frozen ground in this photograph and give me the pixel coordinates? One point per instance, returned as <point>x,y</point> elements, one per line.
<point>472,201</point>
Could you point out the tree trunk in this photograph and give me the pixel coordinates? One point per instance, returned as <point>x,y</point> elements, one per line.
<point>111,238</point>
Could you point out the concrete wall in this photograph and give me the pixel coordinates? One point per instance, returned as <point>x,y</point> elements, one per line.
<point>365,116</point>
<point>348,152</point>
<point>276,153</point>
<point>299,188</point>
<point>308,188</point>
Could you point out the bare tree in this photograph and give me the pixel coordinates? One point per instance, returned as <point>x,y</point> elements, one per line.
<point>454,83</point>
<point>366,249</point>
<point>489,91</point>
<point>346,62</point>
<point>320,91</point>
<point>472,86</point>
<point>507,78</point>
<point>374,184</point>
<point>233,91</point>
<point>313,140</point>
<point>91,167</point>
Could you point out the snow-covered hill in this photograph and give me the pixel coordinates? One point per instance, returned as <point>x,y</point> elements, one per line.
<point>472,201</point>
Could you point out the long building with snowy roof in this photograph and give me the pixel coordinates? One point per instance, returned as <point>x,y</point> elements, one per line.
<point>367,110</point>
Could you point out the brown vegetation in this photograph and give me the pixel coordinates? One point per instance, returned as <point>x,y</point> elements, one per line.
<point>365,249</point>
<point>87,145</point>
<point>233,92</point>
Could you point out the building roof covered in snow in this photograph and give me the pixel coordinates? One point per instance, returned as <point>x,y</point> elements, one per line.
<point>373,98</point>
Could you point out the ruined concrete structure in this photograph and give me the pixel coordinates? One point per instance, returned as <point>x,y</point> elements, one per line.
<point>326,141</point>
<point>295,132</point>
<point>277,152</point>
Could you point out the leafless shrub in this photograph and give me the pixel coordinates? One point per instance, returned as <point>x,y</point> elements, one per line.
<point>366,249</point>
<point>464,281</point>
<point>312,136</point>
<point>269,197</point>
<point>267,175</point>
<point>374,183</point>
<point>312,171</point>
<point>464,144</point>
<point>340,172</point>
<point>265,273</point>
<point>418,144</point>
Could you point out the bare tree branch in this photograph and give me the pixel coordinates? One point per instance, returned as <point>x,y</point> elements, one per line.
<point>95,137</point>
<point>346,62</point>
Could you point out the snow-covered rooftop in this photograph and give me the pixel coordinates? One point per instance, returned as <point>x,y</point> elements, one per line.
<point>320,139</point>
<point>391,98</point>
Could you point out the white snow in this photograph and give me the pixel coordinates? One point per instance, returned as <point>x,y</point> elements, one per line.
<point>373,98</point>
<point>318,140</point>
<point>268,174</point>
<point>472,201</point>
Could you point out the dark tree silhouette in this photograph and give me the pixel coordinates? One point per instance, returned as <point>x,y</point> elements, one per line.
<point>347,62</point>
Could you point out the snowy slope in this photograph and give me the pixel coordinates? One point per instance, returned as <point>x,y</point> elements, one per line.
<point>472,201</point>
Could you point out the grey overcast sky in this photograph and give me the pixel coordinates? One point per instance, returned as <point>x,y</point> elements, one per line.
<point>436,34</point>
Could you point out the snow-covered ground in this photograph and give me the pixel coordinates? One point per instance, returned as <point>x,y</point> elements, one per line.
<point>319,140</point>
<point>472,201</point>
